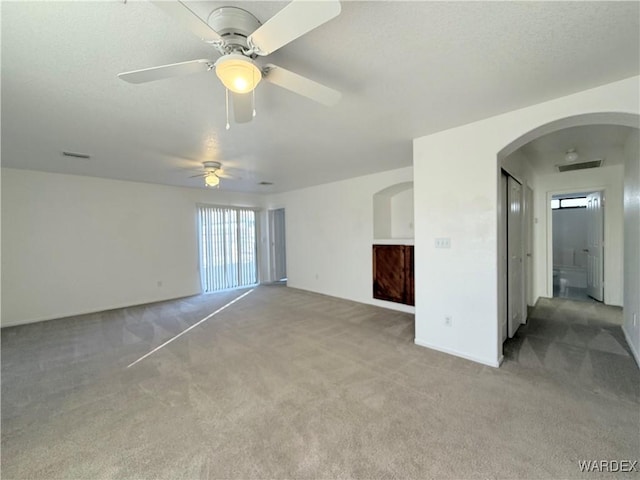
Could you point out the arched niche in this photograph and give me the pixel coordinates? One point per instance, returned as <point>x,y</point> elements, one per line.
<point>393,212</point>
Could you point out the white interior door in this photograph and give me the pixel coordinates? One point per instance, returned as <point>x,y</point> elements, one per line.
<point>595,256</point>
<point>515,248</point>
<point>278,244</point>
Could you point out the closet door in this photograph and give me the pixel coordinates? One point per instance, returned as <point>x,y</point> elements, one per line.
<point>515,278</point>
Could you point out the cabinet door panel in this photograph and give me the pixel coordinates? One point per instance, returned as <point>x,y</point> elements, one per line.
<point>389,273</point>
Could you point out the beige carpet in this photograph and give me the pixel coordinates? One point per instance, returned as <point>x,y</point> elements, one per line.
<point>288,384</point>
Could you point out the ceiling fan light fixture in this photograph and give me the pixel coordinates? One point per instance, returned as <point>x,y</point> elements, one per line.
<point>238,73</point>
<point>211,180</point>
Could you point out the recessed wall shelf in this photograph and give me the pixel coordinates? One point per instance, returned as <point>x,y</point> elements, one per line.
<point>393,213</point>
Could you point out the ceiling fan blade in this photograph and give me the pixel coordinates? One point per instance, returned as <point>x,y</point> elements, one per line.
<point>301,85</point>
<point>199,175</point>
<point>227,176</point>
<point>166,71</point>
<point>189,20</point>
<point>293,21</point>
<point>243,107</point>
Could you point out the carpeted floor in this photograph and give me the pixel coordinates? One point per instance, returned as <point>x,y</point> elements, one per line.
<point>289,384</point>
<point>577,342</point>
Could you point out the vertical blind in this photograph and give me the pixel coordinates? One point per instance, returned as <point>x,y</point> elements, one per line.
<point>227,247</point>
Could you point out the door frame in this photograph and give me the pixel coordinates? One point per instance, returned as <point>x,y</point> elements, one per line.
<point>549,249</point>
<point>503,297</point>
<point>502,257</point>
<point>529,221</point>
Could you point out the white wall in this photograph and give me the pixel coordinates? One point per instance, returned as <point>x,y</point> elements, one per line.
<point>609,179</point>
<point>330,234</point>
<point>73,244</point>
<point>402,214</point>
<point>518,166</point>
<point>631,325</point>
<point>456,190</point>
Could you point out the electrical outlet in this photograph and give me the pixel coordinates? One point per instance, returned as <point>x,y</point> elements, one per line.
<point>448,320</point>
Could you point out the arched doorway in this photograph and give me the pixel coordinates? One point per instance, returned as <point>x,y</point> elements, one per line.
<point>518,288</point>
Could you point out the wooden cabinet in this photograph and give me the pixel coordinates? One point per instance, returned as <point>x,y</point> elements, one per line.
<point>393,273</point>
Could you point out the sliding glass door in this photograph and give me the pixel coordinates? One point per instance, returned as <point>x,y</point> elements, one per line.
<point>227,247</point>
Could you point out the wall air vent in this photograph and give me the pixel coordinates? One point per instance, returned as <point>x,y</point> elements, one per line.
<point>579,166</point>
<point>76,155</point>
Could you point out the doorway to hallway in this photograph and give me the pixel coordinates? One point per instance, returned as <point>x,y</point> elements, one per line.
<point>278,245</point>
<point>577,245</point>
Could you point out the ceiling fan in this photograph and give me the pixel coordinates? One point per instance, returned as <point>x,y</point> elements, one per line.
<point>239,38</point>
<point>212,174</point>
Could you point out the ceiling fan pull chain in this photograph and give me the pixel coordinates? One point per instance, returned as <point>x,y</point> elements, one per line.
<point>227,107</point>
<point>253,93</point>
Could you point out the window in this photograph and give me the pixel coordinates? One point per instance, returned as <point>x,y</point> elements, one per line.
<point>577,202</point>
<point>227,247</point>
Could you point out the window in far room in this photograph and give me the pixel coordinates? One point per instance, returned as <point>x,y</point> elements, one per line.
<point>576,202</point>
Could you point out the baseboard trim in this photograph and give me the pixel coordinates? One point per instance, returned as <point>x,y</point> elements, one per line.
<point>78,313</point>
<point>396,307</point>
<point>455,353</point>
<point>632,347</point>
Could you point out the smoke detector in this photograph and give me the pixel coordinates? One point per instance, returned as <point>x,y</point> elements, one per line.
<point>571,156</point>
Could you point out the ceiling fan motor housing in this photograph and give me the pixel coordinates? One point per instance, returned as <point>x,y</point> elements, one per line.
<point>211,167</point>
<point>234,25</point>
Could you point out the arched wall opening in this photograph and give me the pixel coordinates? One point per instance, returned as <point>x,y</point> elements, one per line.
<point>536,250</point>
<point>456,179</point>
<point>600,118</point>
<point>393,212</point>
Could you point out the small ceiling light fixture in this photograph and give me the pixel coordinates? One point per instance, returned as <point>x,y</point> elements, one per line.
<point>571,155</point>
<point>211,180</point>
<point>238,73</point>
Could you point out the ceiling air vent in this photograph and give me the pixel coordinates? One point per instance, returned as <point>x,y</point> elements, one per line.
<point>76,155</point>
<point>579,166</point>
<point>265,183</point>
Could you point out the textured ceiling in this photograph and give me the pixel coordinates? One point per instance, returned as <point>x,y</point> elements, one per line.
<point>406,69</point>
<point>591,142</point>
